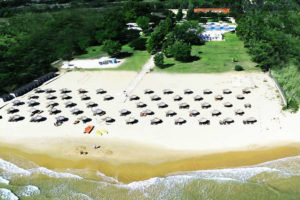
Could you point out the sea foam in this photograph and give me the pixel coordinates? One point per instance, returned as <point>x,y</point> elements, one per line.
<point>29,190</point>
<point>6,194</point>
<point>4,181</point>
<point>53,174</point>
<point>10,169</point>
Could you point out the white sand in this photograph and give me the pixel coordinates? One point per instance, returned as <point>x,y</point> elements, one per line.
<point>274,126</point>
<point>91,63</point>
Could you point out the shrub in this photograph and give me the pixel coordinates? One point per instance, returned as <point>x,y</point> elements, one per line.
<point>138,44</point>
<point>112,48</point>
<point>159,60</point>
<point>181,51</point>
<point>238,68</point>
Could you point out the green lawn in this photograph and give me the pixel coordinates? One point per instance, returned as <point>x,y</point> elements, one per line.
<point>213,57</point>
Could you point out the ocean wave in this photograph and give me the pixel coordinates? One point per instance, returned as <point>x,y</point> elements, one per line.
<point>9,170</point>
<point>53,174</point>
<point>4,181</point>
<point>6,194</point>
<point>29,190</point>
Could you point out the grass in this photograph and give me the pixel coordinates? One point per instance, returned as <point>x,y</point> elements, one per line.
<point>213,57</point>
<point>92,52</point>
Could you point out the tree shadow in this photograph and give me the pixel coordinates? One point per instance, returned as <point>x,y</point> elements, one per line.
<point>165,66</point>
<point>124,55</point>
<point>192,59</point>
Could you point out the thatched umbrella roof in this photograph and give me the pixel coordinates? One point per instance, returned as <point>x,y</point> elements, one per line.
<point>49,90</point>
<point>131,120</point>
<point>70,103</point>
<point>50,97</point>
<point>156,120</point>
<point>54,110</point>
<point>32,103</point>
<point>155,98</point>
<point>171,112</point>
<point>247,105</point>
<point>177,98</point>
<point>107,97</point>
<point>228,120</point>
<point>188,91</point>
<point>33,96</point>
<point>227,104</point>
<point>198,98</point>
<point>239,111</point>
<point>39,90</point>
<point>251,119</point>
<point>148,91</point>
<point>91,104</point>
<point>34,110</point>
<point>167,91</point>
<point>65,96</point>
<point>108,119</point>
<point>60,118</point>
<point>76,111</point>
<point>219,97</point>
<point>194,112</point>
<point>141,105</point>
<point>215,112</point>
<point>17,102</point>
<point>98,111</point>
<point>205,105</point>
<point>52,103</point>
<point>184,105</point>
<point>65,90</point>
<point>246,90</point>
<point>85,119</point>
<point>100,91</point>
<point>203,120</point>
<point>84,97</point>
<point>124,112</point>
<point>148,112</point>
<point>134,97</point>
<point>180,121</point>
<point>36,118</point>
<point>207,91</point>
<point>227,91</point>
<point>16,117</point>
<point>81,90</point>
<point>162,105</point>
<point>240,97</point>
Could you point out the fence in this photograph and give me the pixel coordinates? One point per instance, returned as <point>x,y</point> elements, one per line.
<point>279,88</point>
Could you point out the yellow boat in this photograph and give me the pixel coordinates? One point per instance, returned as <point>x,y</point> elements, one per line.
<point>98,132</point>
<point>104,131</point>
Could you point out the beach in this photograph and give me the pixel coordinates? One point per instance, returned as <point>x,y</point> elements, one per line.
<point>155,144</point>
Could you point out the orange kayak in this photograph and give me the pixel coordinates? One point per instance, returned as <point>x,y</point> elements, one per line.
<point>88,129</point>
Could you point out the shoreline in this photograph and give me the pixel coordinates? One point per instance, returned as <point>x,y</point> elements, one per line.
<point>174,162</point>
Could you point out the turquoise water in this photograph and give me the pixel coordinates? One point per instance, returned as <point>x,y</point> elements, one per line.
<point>278,179</point>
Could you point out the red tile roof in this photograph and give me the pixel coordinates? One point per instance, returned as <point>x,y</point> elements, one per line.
<point>217,10</point>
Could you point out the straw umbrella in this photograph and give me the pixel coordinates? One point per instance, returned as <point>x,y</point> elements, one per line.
<point>65,97</point>
<point>194,113</point>
<point>205,105</point>
<point>247,105</point>
<point>109,120</point>
<point>33,96</point>
<point>108,98</point>
<point>146,112</point>
<point>156,121</point>
<point>141,105</point>
<point>54,111</point>
<point>215,113</point>
<point>98,112</point>
<point>15,118</point>
<point>162,105</point>
<point>70,104</point>
<point>250,120</point>
<point>180,121</point>
<point>167,91</point>
<point>207,91</point>
<point>184,106</point>
<point>228,120</point>
<point>49,90</point>
<point>39,90</point>
<point>240,97</point>
<point>148,91</point>
<point>85,119</point>
<point>100,91</point>
<point>34,110</point>
<point>155,98</point>
<point>218,97</point>
<point>65,90</point>
<point>52,104</point>
<point>227,104</point>
<point>198,98</point>
<point>91,104</point>
<point>188,91</point>
<point>50,97</point>
<point>170,113</point>
<point>32,103</point>
<point>124,112</point>
<point>177,98</point>
<point>131,120</point>
<point>227,91</point>
<point>17,103</point>
<point>76,111</point>
<point>134,98</point>
<point>61,119</point>
<point>204,121</point>
<point>239,112</point>
<point>246,90</point>
<point>12,110</point>
<point>82,91</point>
<point>37,118</point>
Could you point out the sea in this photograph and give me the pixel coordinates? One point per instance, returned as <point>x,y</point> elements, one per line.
<point>277,179</point>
